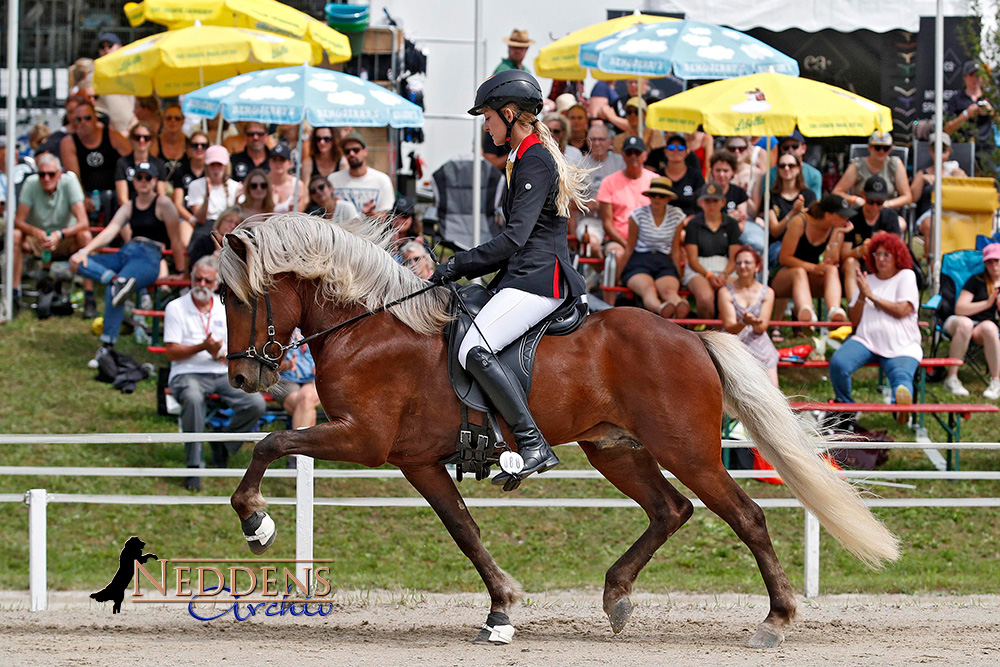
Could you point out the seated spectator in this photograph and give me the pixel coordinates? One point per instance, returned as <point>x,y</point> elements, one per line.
<point>922,187</point>
<point>653,139</point>
<point>872,218</point>
<point>745,308</point>
<point>884,317</point>
<point>325,156</point>
<point>651,260</point>
<point>789,197</point>
<point>147,110</point>
<point>204,244</point>
<point>671,161</point>
<point>255,196</point>
<point>208,196</point>
<point>701,148</point>
<point>751,162</point>
<point>795,144</point>
<point>52,144</point>
<point>172,142</point>
<point>92,153</point>
<point>879,162</point>
<point>975,319</point>
<point>51,219</point>
<point>255,154</point>
<point>620,194</point>
<point>405,221</point>
<point>711,239</point>
<point>191,167</point>
<point>289,136</point>
<point>289,193</point>
<point>818,231</point>
<point>738,206</point>
<point>599,163</point>
<point>417,258</point>
<point>325,205</point>
<point>296,390</point>
<point>150,222</point>
<point>559,129</point>
<point>194,333</point>
<point>38,135</point>
<point>140,136</point>
<point>369,189</point>
<point>578,126</point>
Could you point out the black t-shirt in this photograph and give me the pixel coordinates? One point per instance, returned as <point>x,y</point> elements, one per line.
<point>712,243</point>
<point>243,165</point>
<point>735,196</point>
<point>125,170</point>
<point>686,187</point>
<point>183,175</point>
<point>782,207</point>
<point>958,103</point>
<point>887,221</point>
<point>980,291</point>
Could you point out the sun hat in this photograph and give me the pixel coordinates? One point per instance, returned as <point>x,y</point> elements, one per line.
<point>661,186</point>
<point>518,38</point>
<point>565,102</point>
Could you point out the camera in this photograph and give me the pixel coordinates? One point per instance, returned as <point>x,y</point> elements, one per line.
<point>982,103</point>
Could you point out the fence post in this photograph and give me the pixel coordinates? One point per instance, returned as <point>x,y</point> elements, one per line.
<point>303,515</point>
<point>37,544</point>
<point>812,555</point>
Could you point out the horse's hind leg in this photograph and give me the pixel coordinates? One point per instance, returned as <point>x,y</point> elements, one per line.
<point>636,474</point>
<point>434,484</point>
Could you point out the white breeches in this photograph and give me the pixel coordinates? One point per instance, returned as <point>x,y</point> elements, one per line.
<point>505,318</point>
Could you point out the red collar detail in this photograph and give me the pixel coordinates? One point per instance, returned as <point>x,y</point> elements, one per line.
<point>527,143</point>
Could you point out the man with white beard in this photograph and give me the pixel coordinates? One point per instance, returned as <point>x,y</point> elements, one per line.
<point>194,332</point>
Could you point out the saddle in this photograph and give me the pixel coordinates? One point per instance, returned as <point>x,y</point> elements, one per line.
<point>480,446</point>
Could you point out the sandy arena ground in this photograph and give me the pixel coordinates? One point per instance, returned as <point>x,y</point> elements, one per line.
<point>566,628</point>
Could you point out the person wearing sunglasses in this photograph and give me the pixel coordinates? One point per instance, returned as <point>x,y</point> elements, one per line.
<point>671,160</point>
<point>289,193</point>
<point>92,154</point>
<point>370,190</point>
<point>172,142</point>
<point>751,163</point>
<point>51,218</point>
<point>209,196</point>
<point>141,138</point>
<point>795,144</point>
<point>256,196</point>
<point>621,193</point>
<point>880,162</point>
<point>190,168</point>
<point>559,128</point>
<point>149,224</point>
<point>324,204</point>
<point>325,156</point>
<point>922,188</point>
<point>255,154</point>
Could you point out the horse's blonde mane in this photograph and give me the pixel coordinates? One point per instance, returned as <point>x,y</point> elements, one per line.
<point>351,262</point>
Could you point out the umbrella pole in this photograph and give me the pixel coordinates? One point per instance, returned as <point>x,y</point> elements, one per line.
<point>767,208</point>
<point>302,131</point>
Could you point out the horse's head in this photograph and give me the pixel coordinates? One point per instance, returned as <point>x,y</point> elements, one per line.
<point>260,324</point>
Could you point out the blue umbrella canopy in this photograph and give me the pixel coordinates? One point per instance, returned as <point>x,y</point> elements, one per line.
<point>686,49</point>
<point>289,95</point>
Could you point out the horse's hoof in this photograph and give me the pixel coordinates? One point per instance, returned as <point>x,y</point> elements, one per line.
<point>620,614</point>
<point>766,637</point>
<point>496,630</point>
<point>259,531</point>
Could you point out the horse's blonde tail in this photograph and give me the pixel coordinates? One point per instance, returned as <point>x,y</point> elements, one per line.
<point>790,445</point>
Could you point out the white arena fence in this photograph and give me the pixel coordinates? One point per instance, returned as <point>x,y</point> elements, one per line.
<point>304,500</point>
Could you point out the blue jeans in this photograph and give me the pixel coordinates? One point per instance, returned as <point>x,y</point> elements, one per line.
<point>136,259</point>
<point>852,355</point>
<point>754,236</point>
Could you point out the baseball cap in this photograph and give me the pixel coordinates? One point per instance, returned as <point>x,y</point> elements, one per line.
<point>636,102</point>
<point>282,151</point>
<point>216,154</point>
<point>945,139</point>
<point>353,136</point>
<point>633,144</point>
<point>403,206</point>
<point>970,67</point>
<point>794,136</point>
<point>876,188</point>
<point>148,168</point>
<point>992,251</point>
<point>837,205</point>
<point>565,102</point>
<point>880,139</point>
<point>110,38</point>
<point>711,190</point>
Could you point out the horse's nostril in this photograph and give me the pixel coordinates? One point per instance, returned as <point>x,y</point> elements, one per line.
<point>239,380</point>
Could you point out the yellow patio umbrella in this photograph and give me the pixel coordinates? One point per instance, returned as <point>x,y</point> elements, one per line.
<point>560,59</point>
<point>268,15</point>
<point>179,61</point>
<point>770,104</point>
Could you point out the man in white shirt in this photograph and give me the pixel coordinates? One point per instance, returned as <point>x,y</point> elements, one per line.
<point>368,189</point>
<point>194,332</point>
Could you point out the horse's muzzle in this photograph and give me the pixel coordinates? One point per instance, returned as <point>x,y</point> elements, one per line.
<point>251,376</point>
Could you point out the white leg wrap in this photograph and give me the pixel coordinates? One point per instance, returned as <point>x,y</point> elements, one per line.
<point>264,532</point>
<point>500,634</point>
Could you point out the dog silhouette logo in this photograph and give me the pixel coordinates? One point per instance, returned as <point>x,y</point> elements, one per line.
<point>115,591</point>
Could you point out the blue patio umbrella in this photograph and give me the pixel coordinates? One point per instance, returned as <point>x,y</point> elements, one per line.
<point>686,49</point>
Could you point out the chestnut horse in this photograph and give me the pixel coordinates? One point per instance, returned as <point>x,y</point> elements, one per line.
<point>634,391</point>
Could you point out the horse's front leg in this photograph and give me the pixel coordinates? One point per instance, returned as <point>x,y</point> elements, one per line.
<point>437,487</point>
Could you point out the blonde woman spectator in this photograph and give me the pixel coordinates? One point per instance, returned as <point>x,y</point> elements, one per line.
<point>751,162</point>
<point>172,141</point>
<point>191,167</point>
<point>324,204</point>
<point>204,244</point>
<point>416,257</point>
<point>39,134</point>
<point>256,196</point>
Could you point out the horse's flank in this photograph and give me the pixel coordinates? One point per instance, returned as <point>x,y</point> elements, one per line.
<point>351,263</point>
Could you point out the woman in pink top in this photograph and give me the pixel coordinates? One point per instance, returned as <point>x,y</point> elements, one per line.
<point>884,316</point>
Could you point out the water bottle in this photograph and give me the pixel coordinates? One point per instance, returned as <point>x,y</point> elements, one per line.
<point>46,254</point>
<point>141,337</point>
<point>585,243</point>
<point>95,198</point>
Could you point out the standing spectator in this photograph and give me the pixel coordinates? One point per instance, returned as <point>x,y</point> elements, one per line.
<point>256,196</point>
<point>745,308</point>
<point>558,126</point>
<point>971,106</point>
<point>367,188</point>
<point>975,319</point>
<point>120,109</point>
<point>324,204</point>
<point>205,245</point>
<point>620,194</point>
<point>255,154</point>
<point>653,139</point>
<point>92,153</point>
<point>711,239</point>
<point>141,136</point>
<point>701,147</point>
<point>209,196</point>
<point>879,162</point>
<point>671,161</point>
<point>651,258</point>
<point>172,142</point>
<point>325,156</point>
<point>615,111</point>
<point>599,163</point>
<point>190,168</point>
<point>578,124</point>
<point>517,49</point>
<point>51,218</point>
<point>149,223</point>
<point>288,192</point>
<point>194,333</point>
<point>884,318</point>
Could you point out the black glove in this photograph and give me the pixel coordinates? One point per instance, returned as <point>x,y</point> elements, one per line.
<point>444,273</point>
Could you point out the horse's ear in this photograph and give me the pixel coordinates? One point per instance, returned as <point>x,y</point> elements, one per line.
<point>237,245</point>
<point>217,239</point>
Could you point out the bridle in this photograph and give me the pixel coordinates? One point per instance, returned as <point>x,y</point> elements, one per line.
<point>265,357</point>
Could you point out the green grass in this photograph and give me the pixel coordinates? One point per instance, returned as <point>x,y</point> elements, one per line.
<point>45,387</point>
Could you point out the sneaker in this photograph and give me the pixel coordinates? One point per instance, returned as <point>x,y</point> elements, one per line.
<point>992,392</point>
<point>89,308</point>
<point>120,289</point>
<point>954,386</point>
<point>903,397</point>
<point>95,363</point>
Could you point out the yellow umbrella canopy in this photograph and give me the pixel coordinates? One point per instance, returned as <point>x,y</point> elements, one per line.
<point>268,15</point>
<point>179,61</point>
<point>770,104</point>
<point>561,58</point>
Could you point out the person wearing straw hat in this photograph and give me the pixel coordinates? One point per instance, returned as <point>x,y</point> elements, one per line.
<point>517,49</point>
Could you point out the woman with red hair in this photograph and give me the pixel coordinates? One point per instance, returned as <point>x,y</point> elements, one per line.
<point>884,316</point>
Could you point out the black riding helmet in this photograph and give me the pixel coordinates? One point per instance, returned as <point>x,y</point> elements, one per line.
<point>510,86</point>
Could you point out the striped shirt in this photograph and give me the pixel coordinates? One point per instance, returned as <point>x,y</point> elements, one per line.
<point>653,237</point>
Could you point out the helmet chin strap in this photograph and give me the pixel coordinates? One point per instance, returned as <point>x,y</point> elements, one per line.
<point>510,125</point>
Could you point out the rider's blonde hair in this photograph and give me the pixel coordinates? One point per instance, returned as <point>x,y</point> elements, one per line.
<point>572,179</point>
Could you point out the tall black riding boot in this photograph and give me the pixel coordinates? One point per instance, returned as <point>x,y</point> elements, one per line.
<point>508,398</point>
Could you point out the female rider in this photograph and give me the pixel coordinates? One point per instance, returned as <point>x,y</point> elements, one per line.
<point>535,275</point>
